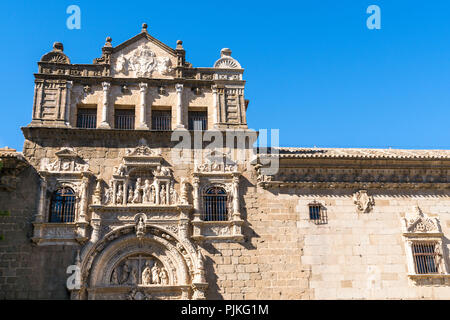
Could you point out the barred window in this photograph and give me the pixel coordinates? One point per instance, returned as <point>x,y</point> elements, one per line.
<point>198,120</point>
<point>215,204</point>
<point>425,257</point>
<point>124,119</point>
<point>317,213</point>
<point>87,118</point>
<point>161,120</point>
<point>62,206</point>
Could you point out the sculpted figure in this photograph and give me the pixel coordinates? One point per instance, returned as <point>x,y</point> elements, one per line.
<point>125,272</point>
<point>134,275</point>
<point>137,196</point>
<point>115,277</point>
<point>173,195</point>
<point>163,276</point>
<point>163,194</point>
<point>152,194</point>
<point>147,274</point>
<point>183,191</point>
<point>140,227</point>
<point>147,188</point>
<point>155,274</point>
<point>108,195</point>
<point>119,196</point>
<point>138,184</point>
<point>130,195</point>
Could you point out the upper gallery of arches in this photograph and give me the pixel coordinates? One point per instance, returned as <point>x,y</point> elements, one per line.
<point>141,83</point>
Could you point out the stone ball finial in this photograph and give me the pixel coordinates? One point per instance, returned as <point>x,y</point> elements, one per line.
<point>225,52</point>
<point>58,46</point>
<point>144,27</point>
<point>108,42</point>
<point>179,44</point>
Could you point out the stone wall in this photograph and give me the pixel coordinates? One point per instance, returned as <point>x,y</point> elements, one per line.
<point>28,271</point>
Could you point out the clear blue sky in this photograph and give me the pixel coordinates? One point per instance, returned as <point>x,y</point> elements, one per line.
<point>313,69</point>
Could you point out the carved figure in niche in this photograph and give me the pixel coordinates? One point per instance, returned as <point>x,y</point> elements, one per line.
<point>120,170</point>
<point>137,196</point>
<point>108,196</point>
<point>119,196</point>
<point>115,277</point>
<point>147,274</point>
<point>155,274</point>
<point>163,276</point>
<point>125,272</point>
<point>140,227</point>
<point>134,275</point>
<point>165,171</point>
<point>147,189</point>
<point>173,195</point>
<point>130,195</point>
<point>152,194</point>
<point>163,194</point>
<point>138,184</point>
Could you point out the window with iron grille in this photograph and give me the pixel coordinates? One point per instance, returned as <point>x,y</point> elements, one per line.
<point>124,119</point>
<point>317,213</point>
<point>62,206</point>
<point>425,257</point>
<point>161,120</point>
<point>198,120</point>
<point>215,204</point>
<point>87,118</point>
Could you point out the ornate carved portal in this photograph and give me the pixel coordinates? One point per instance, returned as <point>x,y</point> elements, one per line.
<point>156,265</point>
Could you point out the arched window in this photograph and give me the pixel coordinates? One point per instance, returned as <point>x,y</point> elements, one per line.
<point>62,206</point>
<point>215,204</point>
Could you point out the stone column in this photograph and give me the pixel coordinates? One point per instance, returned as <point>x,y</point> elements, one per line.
<point>179,89</point>
<point>236,214</point>
<point>196,191</point>
<point>68,105</point>
<point>125,193</point>
<point>42,200</point>
<point>95,223</point>
<point>142,110</point>
<point>106,88</point>
<point>215,106</point>
<point>83,201</point>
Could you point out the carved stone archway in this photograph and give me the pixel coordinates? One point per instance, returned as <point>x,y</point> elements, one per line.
<point>176,260</point>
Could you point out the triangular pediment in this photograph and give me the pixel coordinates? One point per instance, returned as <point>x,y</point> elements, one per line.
<point>66,153</point>
<point>143,56</point>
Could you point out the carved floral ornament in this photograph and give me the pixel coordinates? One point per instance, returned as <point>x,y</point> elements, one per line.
<point>67,161</point>
<point>364,202</point>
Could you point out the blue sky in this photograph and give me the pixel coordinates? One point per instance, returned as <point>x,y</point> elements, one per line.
<point>313,68</point>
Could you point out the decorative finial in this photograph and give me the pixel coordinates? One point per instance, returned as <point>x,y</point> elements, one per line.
<point>179,44</point>
<point>108,42</point>
<point>225,52</point>
<point>58,46</point>
<point>144,27</point>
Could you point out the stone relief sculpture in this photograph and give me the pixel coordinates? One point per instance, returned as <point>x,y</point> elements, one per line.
<point>147,274</point>
<point>163,195</point>
<point>140,228</point>
<point>143,62</point>
<point>363,201</point>
<point>155,274</point>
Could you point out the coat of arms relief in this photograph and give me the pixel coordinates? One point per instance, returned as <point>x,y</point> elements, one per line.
<point>143,62</point>
<point>364,202</point>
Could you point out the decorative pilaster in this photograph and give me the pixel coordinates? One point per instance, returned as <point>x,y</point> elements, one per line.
<point>106,88</point>
<point>157,200</point>
<point>42,200</point>
<point>67,110</point>
<point>143,92</point>
<point>196,222</point>
<point>179,89</point>
<point>215,105</point>
<point>83,201</point>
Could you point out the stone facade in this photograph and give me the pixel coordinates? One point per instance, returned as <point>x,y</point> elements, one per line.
<point>326,224</point>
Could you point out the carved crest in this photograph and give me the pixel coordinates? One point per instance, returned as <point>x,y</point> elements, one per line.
<point>421,223</point>
<point>363,201</point>
<point>143,62</point>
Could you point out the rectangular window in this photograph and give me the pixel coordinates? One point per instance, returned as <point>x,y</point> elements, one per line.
<point>86,118</point>
<point>161,120</point>
<point>317,213</point>
<point>124,119</point>
<point>425,257</point>
<point>198,120</point>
